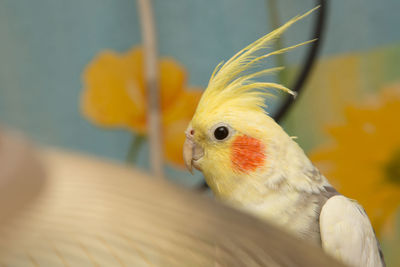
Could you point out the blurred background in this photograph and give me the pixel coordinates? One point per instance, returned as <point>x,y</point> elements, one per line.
<point>72,76</point>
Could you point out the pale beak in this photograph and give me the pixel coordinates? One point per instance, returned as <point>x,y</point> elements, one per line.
<point>191,153</point>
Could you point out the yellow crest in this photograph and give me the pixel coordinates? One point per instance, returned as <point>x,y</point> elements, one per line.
<point>231,86</point>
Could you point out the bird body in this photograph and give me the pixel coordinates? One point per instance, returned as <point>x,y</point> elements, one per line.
<point>251,163</point>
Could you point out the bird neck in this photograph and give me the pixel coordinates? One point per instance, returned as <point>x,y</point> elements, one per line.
<point>291,169</point>
<point>287,170</point>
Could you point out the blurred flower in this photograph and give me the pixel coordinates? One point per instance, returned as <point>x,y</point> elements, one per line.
<point>364,161</point>
<point>115,95</point>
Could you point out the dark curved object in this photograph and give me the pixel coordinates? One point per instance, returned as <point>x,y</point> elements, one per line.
<point>306,70</point>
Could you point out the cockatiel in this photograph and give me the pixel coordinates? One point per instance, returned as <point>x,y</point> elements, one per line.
<point>252,164</point>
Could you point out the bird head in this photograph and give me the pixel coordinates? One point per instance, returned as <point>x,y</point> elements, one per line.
<point>231,138</point>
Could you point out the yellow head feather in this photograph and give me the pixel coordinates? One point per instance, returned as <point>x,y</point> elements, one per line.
<point>235,102</point>
<point>230,88</point>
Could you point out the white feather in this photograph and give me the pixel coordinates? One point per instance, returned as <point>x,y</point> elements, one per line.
<point>347,234</point>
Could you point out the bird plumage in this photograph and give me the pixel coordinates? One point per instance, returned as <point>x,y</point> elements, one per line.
<point>251,163</point>
<point>346,233</point>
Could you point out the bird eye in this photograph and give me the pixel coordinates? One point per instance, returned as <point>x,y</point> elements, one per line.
<point>221,132</point>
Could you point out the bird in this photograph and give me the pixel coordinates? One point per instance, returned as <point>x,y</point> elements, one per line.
<point>252,164</point>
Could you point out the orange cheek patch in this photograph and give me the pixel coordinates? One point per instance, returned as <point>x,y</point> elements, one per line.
<point>247,153</point>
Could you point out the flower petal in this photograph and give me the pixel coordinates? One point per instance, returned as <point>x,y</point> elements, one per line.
<point>114,94</point>
<point>172,81</point>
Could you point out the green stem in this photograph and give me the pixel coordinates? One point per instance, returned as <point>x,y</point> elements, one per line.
<point>134,148</point>
<point>274,22</point>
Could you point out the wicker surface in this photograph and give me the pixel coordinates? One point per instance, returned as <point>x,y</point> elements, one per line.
<point>66,209</point>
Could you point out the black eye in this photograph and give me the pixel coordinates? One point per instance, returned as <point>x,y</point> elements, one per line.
<point>221,133</point>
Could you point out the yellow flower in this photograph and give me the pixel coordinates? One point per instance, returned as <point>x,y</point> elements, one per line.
<point>363,162</point>
<point>115,95</point>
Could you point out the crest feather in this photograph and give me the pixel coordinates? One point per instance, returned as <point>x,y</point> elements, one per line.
<point>230,84</point>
